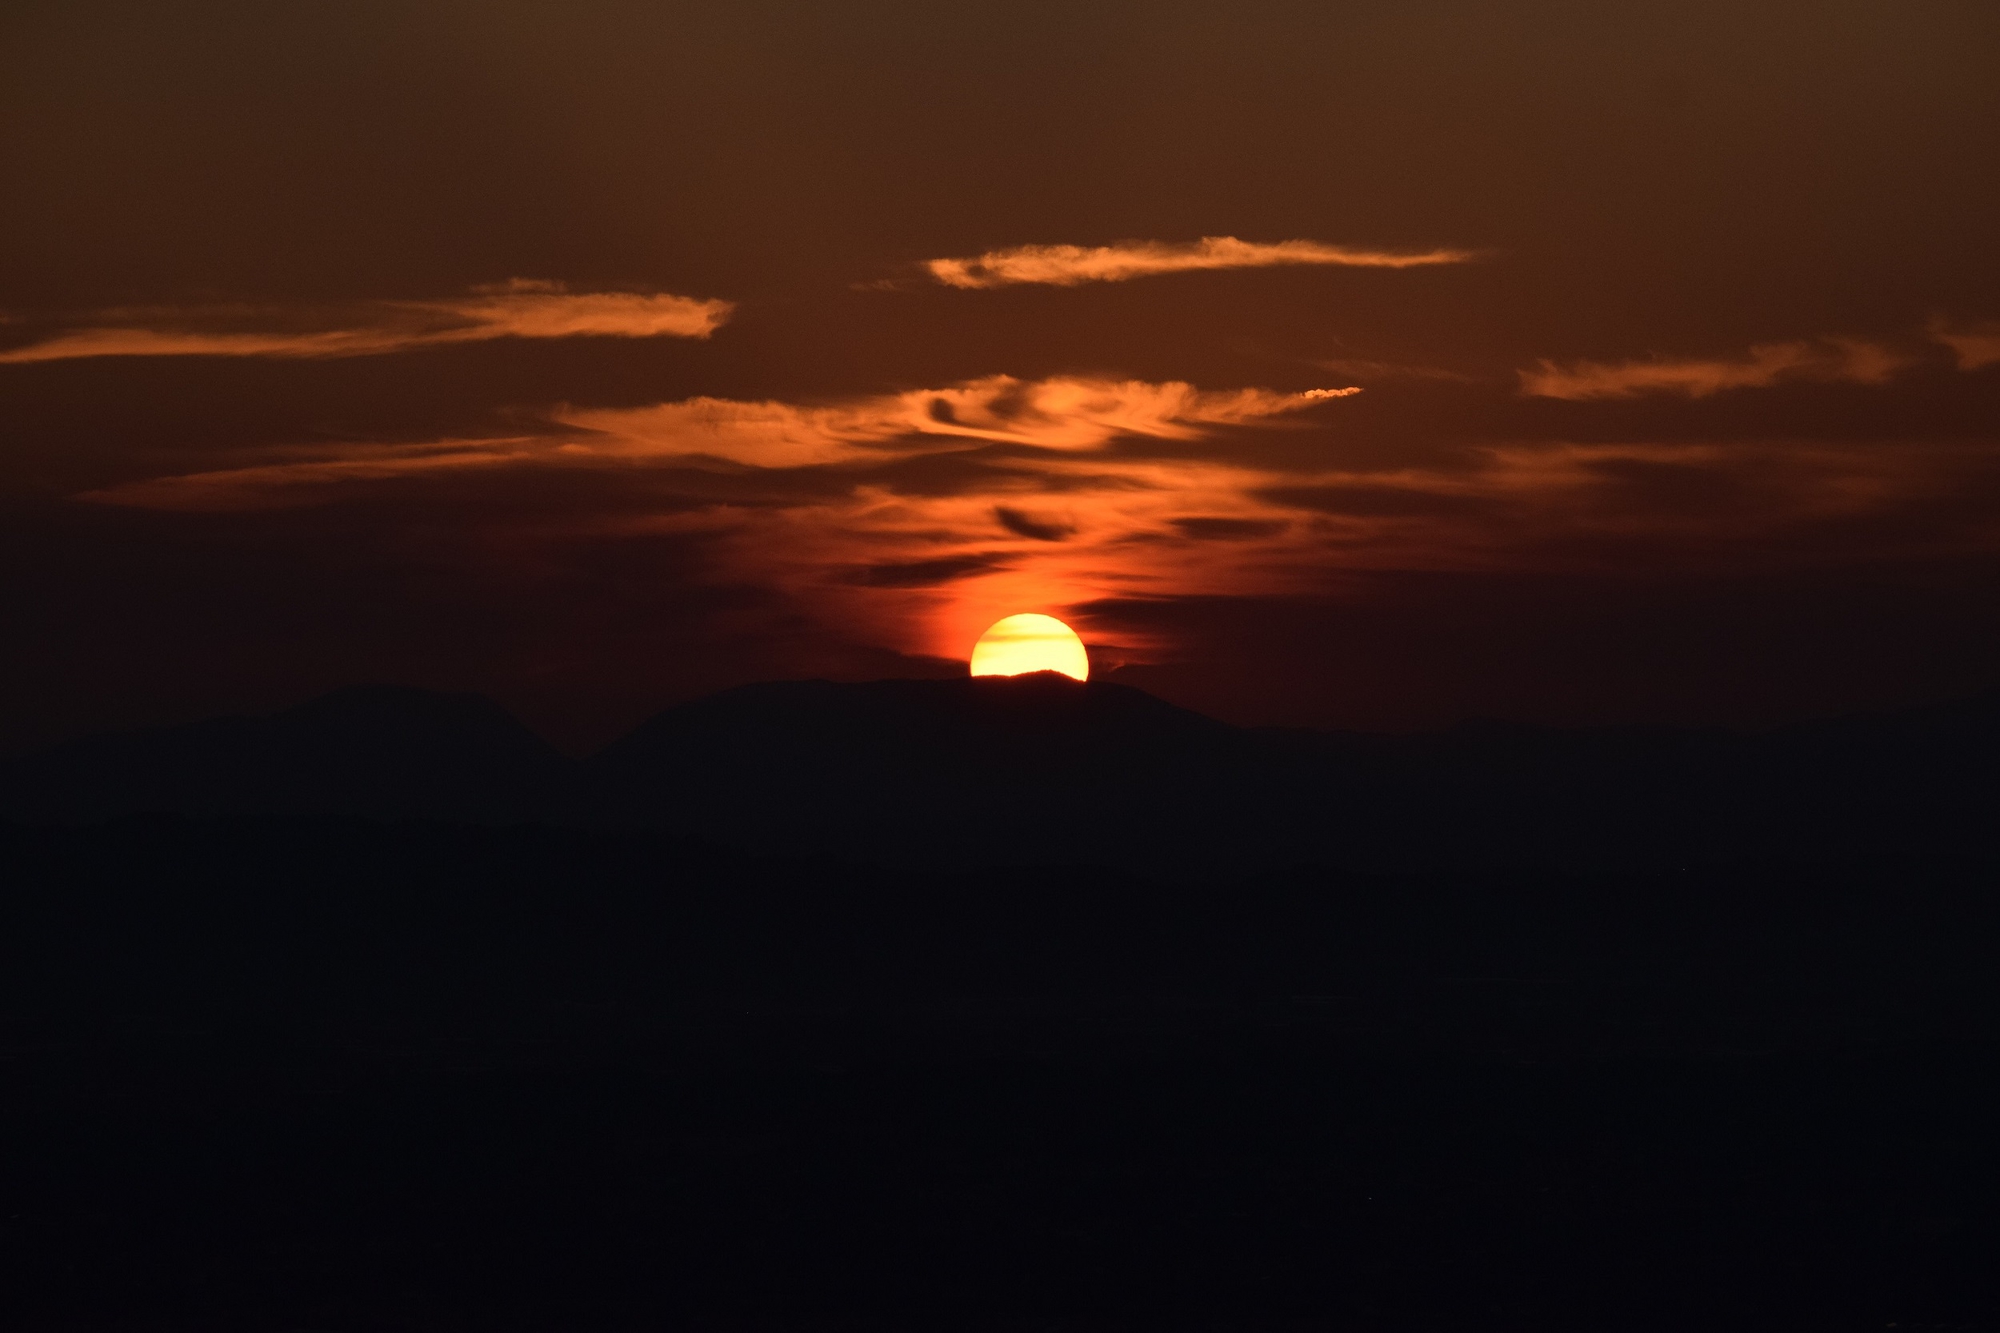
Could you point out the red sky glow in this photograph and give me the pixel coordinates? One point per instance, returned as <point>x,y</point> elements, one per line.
<point>1361,365</point>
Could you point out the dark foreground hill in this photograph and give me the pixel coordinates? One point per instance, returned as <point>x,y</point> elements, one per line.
<point>380,752</point>
<point>1005,1005</point>
<point>1043,770</point>
<point>271,1074</point>
<point>1032,770</point>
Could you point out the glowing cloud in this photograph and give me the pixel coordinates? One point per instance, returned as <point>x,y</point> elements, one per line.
<point>282,483</point>
<point>1059,415</point>
<point>919,519</point>
<point>517,309</point>
<point>1830,360</point>
<point>1028,503</point>
<point>1070,265</point>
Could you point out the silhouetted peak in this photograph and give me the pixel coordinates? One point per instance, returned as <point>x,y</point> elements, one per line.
<point>400,700</point>
<point>970,717</point>
<point>402,715</point>
<point>376,749</point>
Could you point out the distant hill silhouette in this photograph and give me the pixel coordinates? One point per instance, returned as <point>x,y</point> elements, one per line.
<point>1036,768</point>
<point>1045,770</point>
<point>377,751</point>
<point>417,1024</point>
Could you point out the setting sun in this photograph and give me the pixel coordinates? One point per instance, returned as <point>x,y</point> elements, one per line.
<point>1024,643</point>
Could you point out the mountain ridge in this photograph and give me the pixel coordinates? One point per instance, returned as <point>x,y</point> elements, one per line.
<point>1045,769</point>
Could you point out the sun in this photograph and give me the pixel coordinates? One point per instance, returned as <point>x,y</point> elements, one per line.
<point>1024,643</point>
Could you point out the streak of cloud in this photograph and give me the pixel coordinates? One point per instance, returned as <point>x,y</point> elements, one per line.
<point>291,479</point>
<point>1035,529</point>
<point>1062,413</point>
<point>1974,346</point>
<point>1829,360</point>
<point>1059,415</point>
<point>517,309</point>
<point>1362,369</point>
<point>1071,265</point>
<point>915,519</point>
<point>1038,509</point>
<point>925,573</point>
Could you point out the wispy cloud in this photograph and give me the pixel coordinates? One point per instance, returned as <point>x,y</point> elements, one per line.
<point>1826,360</point>
<point>1062,413</point>
<point>1363,369</point>
<point>919,513</point>
<point>916,519</point>
<point>1056,416</point>
<point>1070,265</point>
<point>518,309</point>
<point>1975,345</point>
<point>293,474</point>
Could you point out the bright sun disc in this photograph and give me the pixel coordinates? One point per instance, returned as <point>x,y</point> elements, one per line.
<point>1020,644</point>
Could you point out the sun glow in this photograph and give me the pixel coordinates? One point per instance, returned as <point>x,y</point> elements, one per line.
<point>1024,643</point>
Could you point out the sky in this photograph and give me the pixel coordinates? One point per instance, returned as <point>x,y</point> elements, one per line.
<point>1357,365</point>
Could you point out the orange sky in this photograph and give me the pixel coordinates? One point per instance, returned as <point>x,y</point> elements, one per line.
<point>1366,365</point>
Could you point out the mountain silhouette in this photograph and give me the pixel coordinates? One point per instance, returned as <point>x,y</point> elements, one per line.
<point>893,991</point>
<point>1005,721</point>
<point>375,751</point>
<point>1042,769</point>
<point>1035,768</point>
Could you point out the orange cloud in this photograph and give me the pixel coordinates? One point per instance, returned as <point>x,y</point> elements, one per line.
<point>1059,415</point>
<point>1363,369</point>
<point>1063,413</point>
<point>1831,359</point>
<point>1058,531</point>
<point>279,484</point>
<point>1042,511</point>
<point>517,309</point>
<point>1975,346</point>
<point>917,519</point>
<point>1069,265</point>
